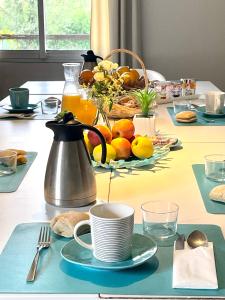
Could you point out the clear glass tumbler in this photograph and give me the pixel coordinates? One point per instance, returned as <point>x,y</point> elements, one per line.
<point>215,167</point>
<point>159,219</point>
<point>8,161</point>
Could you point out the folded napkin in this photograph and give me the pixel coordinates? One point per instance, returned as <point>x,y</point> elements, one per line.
<point>194,268</point>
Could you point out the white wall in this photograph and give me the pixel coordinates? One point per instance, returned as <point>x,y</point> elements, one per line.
<point>185,38</point>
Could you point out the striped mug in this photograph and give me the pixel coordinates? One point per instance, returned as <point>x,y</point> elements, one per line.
<point>111,231</point>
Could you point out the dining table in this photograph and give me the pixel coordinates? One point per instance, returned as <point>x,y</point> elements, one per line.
<point>171,178</point>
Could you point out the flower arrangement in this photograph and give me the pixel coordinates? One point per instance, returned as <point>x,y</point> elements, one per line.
<point>107,84</point>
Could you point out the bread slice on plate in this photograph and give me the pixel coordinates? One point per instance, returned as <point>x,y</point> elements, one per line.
<point>218,193</point>
<point>186,116</point>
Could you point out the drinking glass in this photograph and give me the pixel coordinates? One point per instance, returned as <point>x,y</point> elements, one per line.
<point>8,161</point>
<point>159,219</point>
<point>50,106</point>
<point>215,167</point>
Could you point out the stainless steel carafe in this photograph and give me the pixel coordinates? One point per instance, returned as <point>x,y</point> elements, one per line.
<point>69,178</point>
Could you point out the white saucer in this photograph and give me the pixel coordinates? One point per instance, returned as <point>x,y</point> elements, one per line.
<point>143,248</point>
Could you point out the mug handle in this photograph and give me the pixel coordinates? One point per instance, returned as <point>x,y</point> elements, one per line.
<point>77,239</point>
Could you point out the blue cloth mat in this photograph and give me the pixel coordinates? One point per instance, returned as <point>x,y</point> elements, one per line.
<point>10,183</point>
<point>219,121</point>
<point>205,185</point>
<point>58,276</point>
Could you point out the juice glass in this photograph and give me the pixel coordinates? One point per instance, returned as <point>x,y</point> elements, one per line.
<point>87,112</point>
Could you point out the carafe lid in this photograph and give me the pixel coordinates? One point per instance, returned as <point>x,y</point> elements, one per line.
<point>66,129</point>
<point>90,56</point>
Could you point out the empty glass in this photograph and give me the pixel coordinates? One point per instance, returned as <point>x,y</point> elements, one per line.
<point>180,105</point>
<point>50,106</point>
<point>215,167</point>
<point>159,219</point>
<point>8,161</point>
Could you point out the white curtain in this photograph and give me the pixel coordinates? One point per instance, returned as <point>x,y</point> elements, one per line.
<point>116,24</point>
<point>100,42</point>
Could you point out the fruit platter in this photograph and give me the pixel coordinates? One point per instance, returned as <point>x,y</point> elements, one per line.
<point>125,149</point>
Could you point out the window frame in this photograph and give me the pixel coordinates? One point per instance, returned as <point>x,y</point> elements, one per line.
<point>41,55</point>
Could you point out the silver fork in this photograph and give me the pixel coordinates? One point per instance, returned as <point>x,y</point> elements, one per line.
<point>43,242</point>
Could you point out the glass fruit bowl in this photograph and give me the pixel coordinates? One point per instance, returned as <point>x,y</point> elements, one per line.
<point>134,163</point>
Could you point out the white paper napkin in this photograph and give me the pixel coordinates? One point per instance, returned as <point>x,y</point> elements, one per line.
<point>194,268</point>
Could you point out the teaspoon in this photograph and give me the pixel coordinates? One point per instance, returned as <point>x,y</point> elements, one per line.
<point>197,238</point>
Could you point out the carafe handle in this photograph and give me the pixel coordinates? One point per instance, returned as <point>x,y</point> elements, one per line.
<point>102,139</point>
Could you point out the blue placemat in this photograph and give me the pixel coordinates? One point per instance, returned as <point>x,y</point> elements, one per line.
<point>58,276</point>
<point>205,185</point>
<point>10,183</point>
<point>200,122</point>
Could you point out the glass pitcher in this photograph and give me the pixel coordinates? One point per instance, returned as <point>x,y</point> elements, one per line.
<point>71,99</point>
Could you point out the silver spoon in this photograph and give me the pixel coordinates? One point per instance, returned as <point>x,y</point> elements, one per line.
<point>197,238</point>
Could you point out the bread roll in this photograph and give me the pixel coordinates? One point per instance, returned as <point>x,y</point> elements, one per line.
<point>21,159</point>
<point>186,116</point>
<point>64,223</point>
<point>19,151</point>
<point>218,193</point>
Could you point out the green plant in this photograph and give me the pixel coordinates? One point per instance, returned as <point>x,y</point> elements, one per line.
<point>145,99</point>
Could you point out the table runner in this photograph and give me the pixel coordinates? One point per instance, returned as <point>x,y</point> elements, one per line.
<point>200,122</point>
<point>205,186</point>
<point>10,183</point>
<point>58,276</point>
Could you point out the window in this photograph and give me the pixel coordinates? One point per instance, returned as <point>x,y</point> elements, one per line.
<point>44,29</point>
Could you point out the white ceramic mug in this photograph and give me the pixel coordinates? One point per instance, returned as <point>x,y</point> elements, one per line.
<point>215,102</point>
<point>111,231</point>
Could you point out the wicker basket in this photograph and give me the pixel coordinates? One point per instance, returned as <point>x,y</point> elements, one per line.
<point>119,111</point>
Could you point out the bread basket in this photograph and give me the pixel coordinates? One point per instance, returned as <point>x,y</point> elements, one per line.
<point>118,110</point>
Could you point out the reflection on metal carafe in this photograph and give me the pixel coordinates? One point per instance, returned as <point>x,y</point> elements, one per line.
<point>69,178</point>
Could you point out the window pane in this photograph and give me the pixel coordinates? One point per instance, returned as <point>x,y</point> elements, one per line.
<point>19,25</point>
<point>67,24</point>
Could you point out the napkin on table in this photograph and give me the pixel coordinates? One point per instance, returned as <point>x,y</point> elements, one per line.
<point>194,268</point>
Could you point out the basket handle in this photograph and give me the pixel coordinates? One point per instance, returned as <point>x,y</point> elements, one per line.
<point>114,51</point>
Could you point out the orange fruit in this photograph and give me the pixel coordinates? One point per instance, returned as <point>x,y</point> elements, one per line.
<point>86,76</point>
<point>135,74</point>
<point>122,69</point>
<point>126,78</point>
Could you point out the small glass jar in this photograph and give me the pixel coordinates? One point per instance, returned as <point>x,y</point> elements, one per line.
<point>188,87</point>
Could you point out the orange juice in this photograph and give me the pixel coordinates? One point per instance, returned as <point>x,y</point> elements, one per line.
<point>71,103</point>
<point>87,111</point>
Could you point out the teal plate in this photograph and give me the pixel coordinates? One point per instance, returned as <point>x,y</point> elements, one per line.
<point>143,248</point>
<point>27,110</point>
<point>202,110</point>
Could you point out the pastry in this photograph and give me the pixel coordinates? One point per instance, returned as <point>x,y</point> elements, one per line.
<point>186,116</point>
<point>218,193</point>
<point>64,223</point>
<point>18,151</point>
<point>21,159</point>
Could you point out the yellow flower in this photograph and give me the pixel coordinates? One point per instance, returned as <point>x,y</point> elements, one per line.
<point>115,66</point>
<point>99,76</point>
<point>106,65</point>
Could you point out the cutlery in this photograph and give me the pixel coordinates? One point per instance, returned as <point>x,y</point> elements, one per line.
<point>43,243</point>
<point>197,238</point>
<point>195,108</point>
<point>179,243</point>
<point>18,116</point>
<point>206,120</point>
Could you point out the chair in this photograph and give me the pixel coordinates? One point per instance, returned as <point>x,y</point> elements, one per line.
<point>152,75</point>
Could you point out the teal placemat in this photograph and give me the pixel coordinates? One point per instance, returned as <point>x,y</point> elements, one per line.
<point>58,276</point>
<point>10,183</point>
<point>205,185</point>
<point>200,122</point>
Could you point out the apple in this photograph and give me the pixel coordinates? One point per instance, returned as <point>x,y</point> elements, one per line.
<point>95,140</point>
<point>142,147</point>
<point>123,128</point>
<point>88,144</point>
<point>122,147</point>
<point>110,153</point>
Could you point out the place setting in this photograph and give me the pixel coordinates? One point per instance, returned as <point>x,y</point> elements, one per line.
<point>21,108</point>
<point>107,240</point>
<point>210,178</point>
<point>211,112</point>
<point>14,164</point>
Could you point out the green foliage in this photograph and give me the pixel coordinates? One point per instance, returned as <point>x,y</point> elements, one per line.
<point>145,99</point>
<point>61,17</point>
